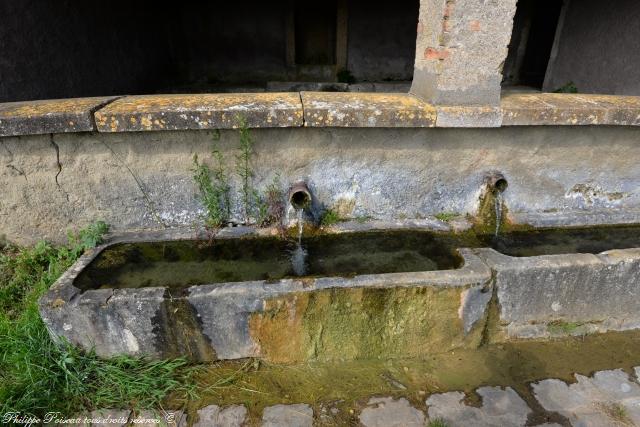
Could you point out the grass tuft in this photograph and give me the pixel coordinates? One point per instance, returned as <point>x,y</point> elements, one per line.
<point>38,375</point>
<point>438,422</point>
<point>447,216</point>
<point>569,87</point>
<point>561,327</point>
<point>214,187</point>
<point>330,217</point>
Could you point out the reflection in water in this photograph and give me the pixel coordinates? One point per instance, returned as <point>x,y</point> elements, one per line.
<point>298,260</point>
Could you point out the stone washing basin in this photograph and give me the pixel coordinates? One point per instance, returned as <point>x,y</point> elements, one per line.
<point>398,314</point>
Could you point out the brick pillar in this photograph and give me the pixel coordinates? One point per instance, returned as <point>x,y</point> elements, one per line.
<point>460,50</point>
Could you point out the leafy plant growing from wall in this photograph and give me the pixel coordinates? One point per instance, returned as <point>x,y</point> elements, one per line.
<point>274,206</point>
<point>250,196</point>
<point>214,188</point>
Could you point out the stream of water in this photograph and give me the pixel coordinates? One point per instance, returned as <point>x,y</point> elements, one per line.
<point>498,209</point>
<point>299,254</point>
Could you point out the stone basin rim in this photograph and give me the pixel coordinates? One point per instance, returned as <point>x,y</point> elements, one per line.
<point>472,269</point>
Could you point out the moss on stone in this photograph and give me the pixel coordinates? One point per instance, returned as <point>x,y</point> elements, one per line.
<point>361,323</point>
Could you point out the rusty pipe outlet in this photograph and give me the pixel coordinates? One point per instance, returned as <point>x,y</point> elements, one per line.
<point>299,195</point>
<point>496,182</point>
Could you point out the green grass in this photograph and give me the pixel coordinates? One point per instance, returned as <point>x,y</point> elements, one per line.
<point>214,187</point>
<point>569,87</point>
<point>38,375</point>
<point>438,422</point>
<point>447,216</point>
<point>561,327</point>
<point>330,217</point>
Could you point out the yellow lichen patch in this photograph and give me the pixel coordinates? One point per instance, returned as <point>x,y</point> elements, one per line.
<point>364,109</point>
<point>204,111</point>
<point>54,106</point>
<point>57,303</point>
<point>361,323</point>
<point>567,109</point>
<point>202,102</point>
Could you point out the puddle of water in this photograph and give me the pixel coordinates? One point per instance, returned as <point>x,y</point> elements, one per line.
<point>351,383</point>
<point>180,264</point>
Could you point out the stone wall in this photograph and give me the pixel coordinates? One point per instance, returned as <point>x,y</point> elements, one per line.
<point>143,180</point>
<point>597,48</point>
<point>460,50</point>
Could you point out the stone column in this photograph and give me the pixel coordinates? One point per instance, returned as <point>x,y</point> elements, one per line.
<point>460,50</point>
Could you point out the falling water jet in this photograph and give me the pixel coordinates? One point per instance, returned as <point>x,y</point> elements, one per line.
<point>491,211</point>
<point>300,199</point>
<point>498,211</point>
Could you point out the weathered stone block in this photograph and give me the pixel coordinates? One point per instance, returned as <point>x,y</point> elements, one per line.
<point>460,48</point>
<point>205,111</point>
<point>327,109</point>
<point>386,412</point>
<point>500,407</point>
<point>367,316</point>
<point>49,116</point>
<point>607,398</point>
<point>468,117</point>
<point>215,416</point>
<point>554,294</point>
<point>298,415</point>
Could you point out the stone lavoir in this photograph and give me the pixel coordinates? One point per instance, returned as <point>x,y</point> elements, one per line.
<point>365,294</point>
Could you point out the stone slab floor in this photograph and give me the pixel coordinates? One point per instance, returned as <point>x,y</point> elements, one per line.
<point>607,398</point>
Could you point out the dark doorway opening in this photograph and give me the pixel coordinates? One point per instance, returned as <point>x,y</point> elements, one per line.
<point>315,29</point>
<point>534,30</point>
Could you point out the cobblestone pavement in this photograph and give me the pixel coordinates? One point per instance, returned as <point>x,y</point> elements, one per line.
<point>607,398</point>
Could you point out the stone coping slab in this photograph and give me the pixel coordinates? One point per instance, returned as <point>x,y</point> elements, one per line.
<point>204,111</point>
<point>529,109</point>
<point>340,109</point>
<point>310,109</point>
<point>49,116</point>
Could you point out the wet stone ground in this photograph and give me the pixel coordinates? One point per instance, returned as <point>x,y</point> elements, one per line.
<point>606,398</point>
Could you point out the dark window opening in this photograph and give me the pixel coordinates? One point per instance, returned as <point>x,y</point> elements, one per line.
<point>315,30</point>
<point>534,30</point>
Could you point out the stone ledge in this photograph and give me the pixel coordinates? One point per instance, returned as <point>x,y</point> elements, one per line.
<point>469,117</point>
<point>529,109</point>
<point>348,109</point>
<point>205,111</point>
<point>49,116</point>
<point>310,109</point>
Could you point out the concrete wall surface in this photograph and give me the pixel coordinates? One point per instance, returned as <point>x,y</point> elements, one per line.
<point>598,48</point>
<point>143,180</point>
